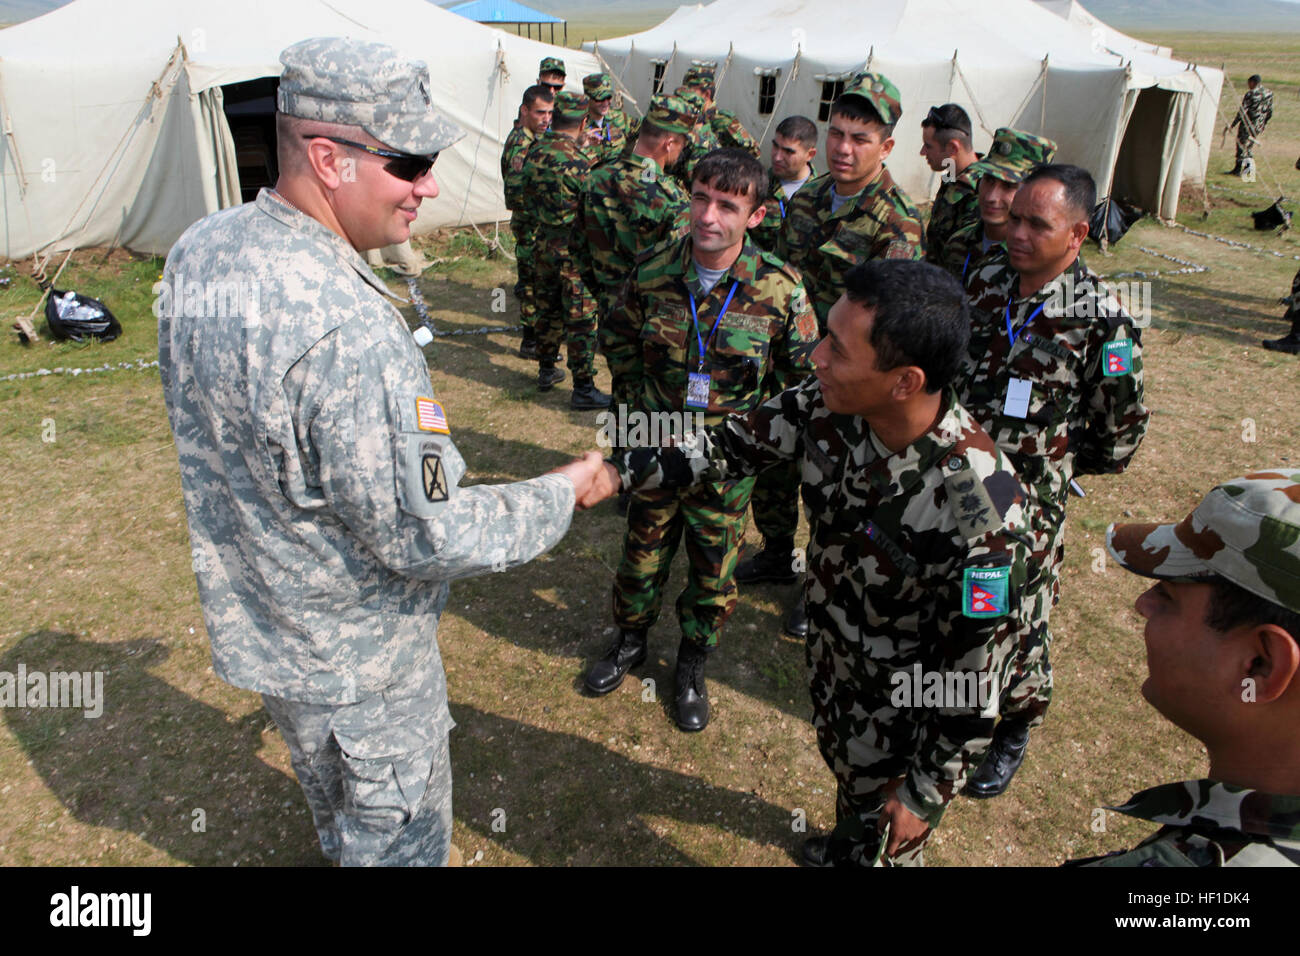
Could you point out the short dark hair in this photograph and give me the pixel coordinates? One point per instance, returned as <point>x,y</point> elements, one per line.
<point>1080,190</point>
<point>566,122</point>
<point>1256,78</point>
<point>859,108</point>
<point>732,171</point>
<point>949,122</point>
<point>538,92</point>
<point>1231,606</point>
<point>921,316</point>
<point>800,129</point>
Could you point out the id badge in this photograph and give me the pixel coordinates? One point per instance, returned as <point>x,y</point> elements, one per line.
<point>1017,403</point>
<point>697,390</point>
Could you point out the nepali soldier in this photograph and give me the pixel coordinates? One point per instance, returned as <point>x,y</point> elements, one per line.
<point>534,118</point>
<point>853,213</point>
<point>1223,661</point>
<point>321,482</point>
<point>948,150</point>
<point>707,325</point>
<point>606,126</point>
<point>702,141</point>
<point>555,176</point>
<point>730,132</point>
<point>920,583</point>
<point>1054,374</point>
<point>794,145</point>
<point>1291,341</point>
<point>1013,155</point>
<point>1253,115</point>
<point>631,204</point>
<point>550,73</point>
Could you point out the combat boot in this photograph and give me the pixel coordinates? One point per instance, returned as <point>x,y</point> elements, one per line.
<point>548,375</point>
<point>528,344</point>
<point>692,695</point>
<point>824,851</point>
<point>1005,755</point>
<point>774,563</point>
<point>796,621</point>
<point>587,396</point>
<point>1290,342</point>
<point>627,651</point>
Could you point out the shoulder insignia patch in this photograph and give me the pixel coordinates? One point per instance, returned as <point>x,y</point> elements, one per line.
<point>648,174</point>
<point>971,504</point>
<point>435,481</point>
<point>517,163</point>
<point>1118,358</point>
<point>984,592</point>
<point>430,417</point>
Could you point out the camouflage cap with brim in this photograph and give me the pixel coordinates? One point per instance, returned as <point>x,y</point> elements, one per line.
<point>1013,155</point>
<point>1247,530</point>
<point>671,114</point>
<point>365,84</point>
<point>697,79</point>
<point>551,64</point>
<point>876,89</point>
<point>598,86</point>
<point>691,97</point>
<point>570,105</point>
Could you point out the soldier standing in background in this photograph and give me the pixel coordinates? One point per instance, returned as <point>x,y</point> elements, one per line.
<point>794,146</point>
<point>1054,374</point>
<point>947,148</point>
<point>550,73</point>
<point>534,118</point>
<point>1253,115</point>
<point>703,140</point>
<point>730,132</point>
<point>706,325</point>
<point>555,176</point>
<point>1223,661</point>
<point>606,126</point>
<point>1290,342</point>
<point>321,483</point>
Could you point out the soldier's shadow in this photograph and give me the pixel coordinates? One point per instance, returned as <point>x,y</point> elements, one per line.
<point>1233,317</point>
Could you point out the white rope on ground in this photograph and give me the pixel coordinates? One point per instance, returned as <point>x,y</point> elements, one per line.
<point>1236,243</point>
<point>794,71</point>
<point>138,365</point>
<point>1189,267</point>
<point>426,320</point>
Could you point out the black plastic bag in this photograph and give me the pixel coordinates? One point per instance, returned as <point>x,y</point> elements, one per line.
<point>1111,219</point>
<point>80,317</point>
<point>1272,217</point>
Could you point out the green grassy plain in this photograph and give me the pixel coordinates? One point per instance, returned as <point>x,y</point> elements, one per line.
<point>95,575</point>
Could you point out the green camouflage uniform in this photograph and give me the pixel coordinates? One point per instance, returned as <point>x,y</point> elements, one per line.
<point>612,141</point>
<point>964,251</point>
<point>902,551</point>
<point>956,204</point>
<point>1207,823</point>
<point>701,142</point>
<point>761,345</point>
<point>879,223</point>
<point>555,175</point>
<point>322,485</point>
<point>1082,356</point>
<point>521,223</point>
<point>766,233</point>
<point>731,133</point>
<point>1253,115</point>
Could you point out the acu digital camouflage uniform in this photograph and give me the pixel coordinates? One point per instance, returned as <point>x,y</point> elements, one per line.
<point>762,344</point>
<point>322,486</point>
<point>898,543</point>
<point>1252,116</point>
<point>611,131</point>
<point>555,176</point>
<point>956,205</point>
<point>513,156</point>
<point>1082,355</point>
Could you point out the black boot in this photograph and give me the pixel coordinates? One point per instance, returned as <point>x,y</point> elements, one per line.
<point>774,563</point>
<point>692,695</point>
<point>1234,171</point>
<point>824,851</point>
<point>587,396</point>
<point>548,374</point>
<point>1006,753</point>
<point>528,344</point>
<point>627,651</point>
<point>1288,343</point>
<point>796,621</point>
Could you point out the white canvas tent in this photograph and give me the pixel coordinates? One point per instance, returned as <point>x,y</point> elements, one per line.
<point>1140,122</point>
<point>116,131</point>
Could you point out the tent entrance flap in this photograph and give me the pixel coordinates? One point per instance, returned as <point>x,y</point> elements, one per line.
<point>250,114</point>
<point>1142,165</point>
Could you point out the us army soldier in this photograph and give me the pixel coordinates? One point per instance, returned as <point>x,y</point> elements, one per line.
<point>321,482</point>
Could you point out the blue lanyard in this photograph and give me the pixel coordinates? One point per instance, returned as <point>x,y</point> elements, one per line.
<point>782,205</point>
<point>964,265</point>
<point>695,320</point>
<point>1011,339</point>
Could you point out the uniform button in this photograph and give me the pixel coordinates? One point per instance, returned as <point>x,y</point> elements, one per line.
<point>955,463</point>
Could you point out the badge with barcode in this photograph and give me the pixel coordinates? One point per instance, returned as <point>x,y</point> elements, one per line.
<point>697,390</point>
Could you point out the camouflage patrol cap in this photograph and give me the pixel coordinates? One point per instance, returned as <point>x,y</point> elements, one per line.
<point>598,86</point>
<point>570,105</point>
<point>365,84</point>
<point>701,78</point>
<point>1013,155</point>
<point>551,64</point>
<point>671,114</point>
<point>876,89</point>
<point>692,98</point>
<point>1247,530</point>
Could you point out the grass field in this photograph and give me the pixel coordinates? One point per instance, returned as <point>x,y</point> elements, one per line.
<point>95,575</point>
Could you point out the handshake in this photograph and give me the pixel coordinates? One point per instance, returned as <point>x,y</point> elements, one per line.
<point>593,479</point>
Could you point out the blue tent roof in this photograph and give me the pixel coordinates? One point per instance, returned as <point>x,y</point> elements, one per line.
<point>502,11</point>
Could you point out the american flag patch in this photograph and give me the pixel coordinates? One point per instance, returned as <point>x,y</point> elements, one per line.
<point>429,416</point>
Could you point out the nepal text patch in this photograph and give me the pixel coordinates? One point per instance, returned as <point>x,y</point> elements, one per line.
<point>985,592</point>
<point>1118,359</point>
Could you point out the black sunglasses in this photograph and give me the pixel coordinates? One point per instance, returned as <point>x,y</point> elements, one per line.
<point>936,119</point>
<point>405,166</point>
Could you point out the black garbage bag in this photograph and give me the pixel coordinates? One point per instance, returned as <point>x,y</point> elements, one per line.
<point>72,315</point>
<point>1272,217</point>
<point>1111,219</point>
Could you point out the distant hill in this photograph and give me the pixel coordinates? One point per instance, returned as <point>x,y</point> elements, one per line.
<point>16,11</point>
<point>1202,16</point>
